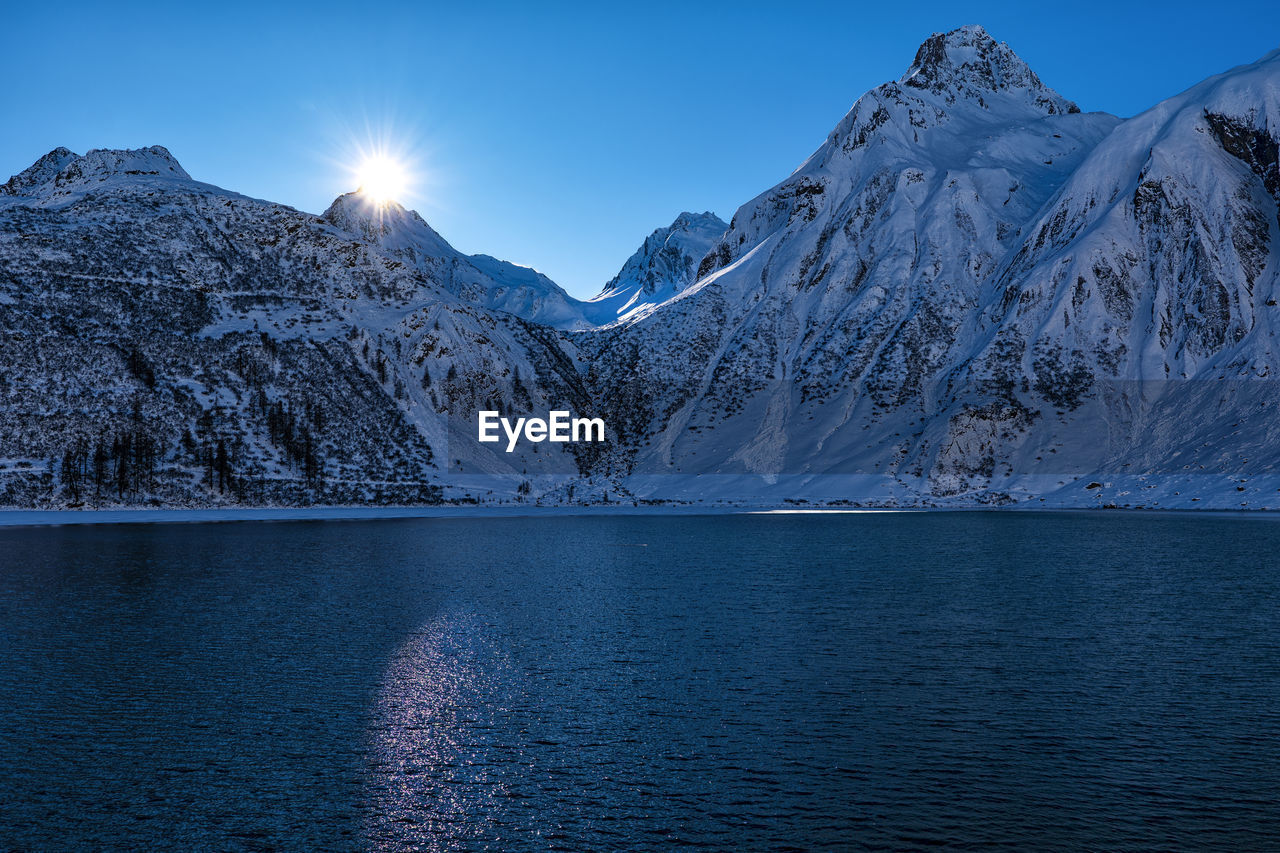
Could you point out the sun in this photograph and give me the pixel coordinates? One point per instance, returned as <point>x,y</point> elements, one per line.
<point>385,165</point>
<point>382,178</point>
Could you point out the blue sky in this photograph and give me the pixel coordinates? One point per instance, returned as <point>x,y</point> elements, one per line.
<point>555,135</point>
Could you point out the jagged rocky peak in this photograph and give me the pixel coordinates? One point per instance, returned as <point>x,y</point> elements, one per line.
<point>967,62</point>
<point>964,73</point>
<point>669,256</point>
<point>687,221</point>
<point>61,171</point>
<point>664,265</point>
<point>101,164</point>
<point>153,160</point>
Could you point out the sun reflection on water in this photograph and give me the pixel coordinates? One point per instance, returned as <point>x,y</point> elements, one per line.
<point>433,779</point>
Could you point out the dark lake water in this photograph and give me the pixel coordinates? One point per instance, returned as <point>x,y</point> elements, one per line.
<point>731,683</point>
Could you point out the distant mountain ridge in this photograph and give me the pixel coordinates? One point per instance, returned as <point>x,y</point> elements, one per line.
<point>971,293</point>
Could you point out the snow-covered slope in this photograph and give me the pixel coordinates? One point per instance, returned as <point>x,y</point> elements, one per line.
<point>527,293</point>
<point>1137,316</point>
<point>1158,258</point>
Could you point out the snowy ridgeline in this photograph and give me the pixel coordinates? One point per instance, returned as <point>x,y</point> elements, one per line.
<point>972,293</point>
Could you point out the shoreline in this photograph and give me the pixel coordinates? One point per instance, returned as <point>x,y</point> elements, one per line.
<point>85,517</point>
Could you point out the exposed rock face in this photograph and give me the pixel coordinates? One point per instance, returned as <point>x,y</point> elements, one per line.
<point>967,64</point>
<point>972,292</point>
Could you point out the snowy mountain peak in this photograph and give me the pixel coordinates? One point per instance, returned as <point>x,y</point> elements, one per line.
<point>669,255</point>
<point>38,173</point>
<point>687,220</point>
<point>101,164</point>
<point>967,62</point>
<point>385,223</point>
<point>61,172</point>
<point>663,266</point>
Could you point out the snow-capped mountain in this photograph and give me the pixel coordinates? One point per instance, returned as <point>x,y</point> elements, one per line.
<point>972,292</point>
<point>1158,259</point>
<point>843,291</point>
<point>923,309</point>
<point>166,339</point>
<point>664,265</point>
<point>61,174</point>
